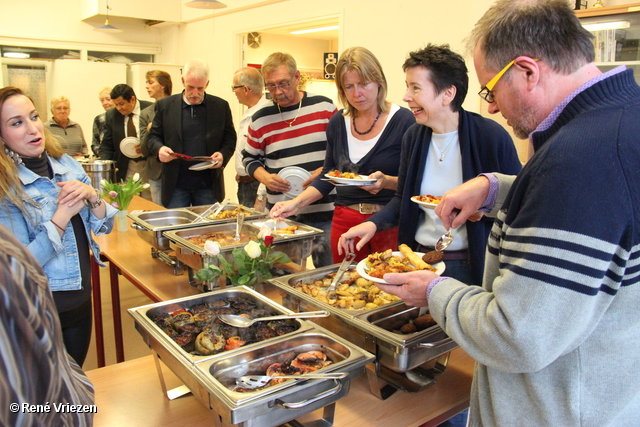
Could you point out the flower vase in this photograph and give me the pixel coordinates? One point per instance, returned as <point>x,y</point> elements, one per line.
<point>121,220</point>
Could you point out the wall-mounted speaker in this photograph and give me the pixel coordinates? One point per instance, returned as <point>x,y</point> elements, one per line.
<point>330,61</point>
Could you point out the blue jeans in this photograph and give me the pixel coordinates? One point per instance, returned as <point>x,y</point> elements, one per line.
<point>321,252</point>
<point>185,198</point>
<point>247,193</point>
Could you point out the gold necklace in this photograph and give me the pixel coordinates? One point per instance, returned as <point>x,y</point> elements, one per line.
<point>295,118</point>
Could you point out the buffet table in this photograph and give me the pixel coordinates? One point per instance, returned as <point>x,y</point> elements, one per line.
<point>129,394</point>
<point>128,255</point>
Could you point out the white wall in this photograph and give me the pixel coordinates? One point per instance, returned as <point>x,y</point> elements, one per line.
<point>389,30</point>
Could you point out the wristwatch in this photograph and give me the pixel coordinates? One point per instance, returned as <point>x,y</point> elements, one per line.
<point>262,197</point>
<point>95,204</point>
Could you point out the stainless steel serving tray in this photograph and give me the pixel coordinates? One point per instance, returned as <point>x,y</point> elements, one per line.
<point>151,224</point>
<point>286,401</point>
<point>297,247</point>
<point>164,345</point>
<point>366,328</point>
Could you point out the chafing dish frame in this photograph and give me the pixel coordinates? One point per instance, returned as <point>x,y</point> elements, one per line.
<point>396,354</point>
<point>297,247</point>
<point>194,371</point>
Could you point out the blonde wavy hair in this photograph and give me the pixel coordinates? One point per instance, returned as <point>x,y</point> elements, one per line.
<point>11,189</point>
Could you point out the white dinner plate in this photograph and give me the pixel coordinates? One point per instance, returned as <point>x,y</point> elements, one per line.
<point>362,268</point>
<point>349,181</point>
<point>414,199</point>
<point>295,176</point>
<point>130,147</point>
<point>202,166</point>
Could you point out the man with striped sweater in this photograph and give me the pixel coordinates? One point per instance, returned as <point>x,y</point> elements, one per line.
<point>554,327</point>
<point>291,132</point>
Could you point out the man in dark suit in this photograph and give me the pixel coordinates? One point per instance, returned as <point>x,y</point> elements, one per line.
<point>117,127</point>
<point>195,124</point>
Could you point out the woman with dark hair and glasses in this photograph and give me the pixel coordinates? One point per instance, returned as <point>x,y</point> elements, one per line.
<point>446,147</point>
<point>366,139</point>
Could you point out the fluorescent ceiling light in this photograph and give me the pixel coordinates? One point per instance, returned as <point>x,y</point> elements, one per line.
<point>614,25</point>
<point>205,4</point>
<point>19,55</point>
<point>315,30</point>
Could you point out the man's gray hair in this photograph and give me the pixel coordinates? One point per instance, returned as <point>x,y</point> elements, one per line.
<point>542,29</point>
<point>278,59</point>
<point>251,78</point>
<point>196,68</point>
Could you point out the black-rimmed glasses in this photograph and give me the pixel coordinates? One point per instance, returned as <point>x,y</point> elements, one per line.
<point>236,87</point>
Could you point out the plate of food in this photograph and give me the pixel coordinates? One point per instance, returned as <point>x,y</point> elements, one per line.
<point>349,178</point>
<point>295,176</point>
<point>376,265</point>
<point>130,147</point>
<point>428,201</point>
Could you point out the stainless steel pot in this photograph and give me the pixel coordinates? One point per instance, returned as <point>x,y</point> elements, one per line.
<point>98,170</point>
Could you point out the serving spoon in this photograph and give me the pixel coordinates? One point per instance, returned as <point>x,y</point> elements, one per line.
<point>240,220</point>
<point>255,381</point>
<point>244,322</point>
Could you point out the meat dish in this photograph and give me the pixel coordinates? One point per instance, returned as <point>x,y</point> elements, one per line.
<point>197,329</point>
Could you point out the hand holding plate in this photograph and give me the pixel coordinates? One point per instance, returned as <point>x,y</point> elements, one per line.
<point>411,286</point>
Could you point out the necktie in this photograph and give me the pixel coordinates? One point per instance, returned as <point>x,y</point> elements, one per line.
<point>131,128</point>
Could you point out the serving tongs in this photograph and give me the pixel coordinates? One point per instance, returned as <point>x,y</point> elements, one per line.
<point>346,263</point>
<point>204,214</point>
<point>192,158</point>
<point>256,381</point>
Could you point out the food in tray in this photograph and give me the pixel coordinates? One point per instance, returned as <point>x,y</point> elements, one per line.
<point>429,199</point>
<point>198,331</point>
<point>416,325</point>
<point>345,175</point>
<point>303,363</point>
<point>380,263</point>
<point>353,292</point>
<point>433,257</point>
<point>287,230</point>
<point>224,239</point>
<point>230,213</point>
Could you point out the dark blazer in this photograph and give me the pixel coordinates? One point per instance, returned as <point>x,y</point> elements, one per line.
<point>113,134</point>
<point>167,130</point>
<point>154,166</point>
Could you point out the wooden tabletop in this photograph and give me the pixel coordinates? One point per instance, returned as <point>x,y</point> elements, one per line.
<point>129,394</point>
<point>131,255</point>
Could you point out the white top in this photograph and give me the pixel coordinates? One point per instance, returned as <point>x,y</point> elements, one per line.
<point>358,148</point>
<point>243,131</point>
<point>443,172</point>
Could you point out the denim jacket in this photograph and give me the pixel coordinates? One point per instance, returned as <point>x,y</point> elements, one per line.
<point>58,256</point>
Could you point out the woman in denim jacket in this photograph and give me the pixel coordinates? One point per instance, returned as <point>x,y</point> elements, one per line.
<point>47,201</point>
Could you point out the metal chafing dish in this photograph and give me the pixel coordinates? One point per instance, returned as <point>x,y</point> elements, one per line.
<point>296,246</point>
<point>283,402</point>
<point>402,360</point>
<point>209,377</point>
<point>158,340</point>
<point>151,225</point>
